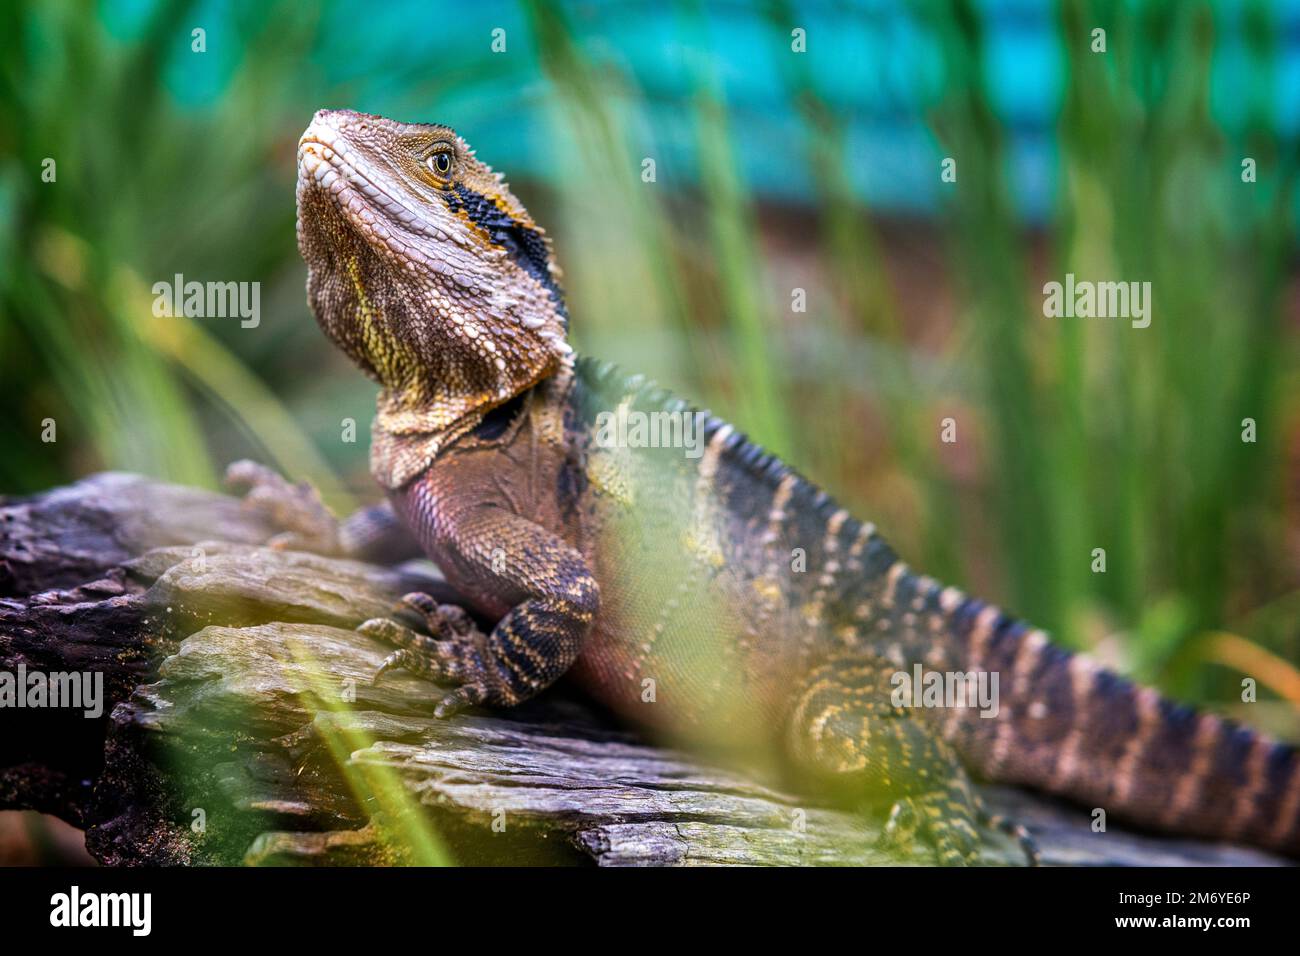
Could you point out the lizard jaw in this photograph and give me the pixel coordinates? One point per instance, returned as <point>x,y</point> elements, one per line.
<point>324,169</point>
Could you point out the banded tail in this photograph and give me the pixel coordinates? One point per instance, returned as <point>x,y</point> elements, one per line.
<point>1068,726</point>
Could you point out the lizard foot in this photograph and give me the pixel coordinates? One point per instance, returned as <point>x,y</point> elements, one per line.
<point>453,657</point>
<point>1017,832</point>
<point>942,819</point>
<point>297,508</point>
<point>948,822</point>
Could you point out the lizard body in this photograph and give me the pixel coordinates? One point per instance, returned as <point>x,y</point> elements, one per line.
<point>664,583</point>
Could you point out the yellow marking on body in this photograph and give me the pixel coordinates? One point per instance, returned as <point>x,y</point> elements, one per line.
<point>776,514</point>
<point>606,474</point>
<point>811,612</point>
<point>799,716</point>
<point>476,231</point>
<point>701,538</point>
<point>981,633</point>
<point>896,571</point>
<point>814,610</point>
<point>847,635</point>
<point>713,455</point>
<point>833,526</point>
<point>704,549</point>
<point>381,350</point>
<point>865,532</point>
<point>524,648</point>
<point>817,727</point>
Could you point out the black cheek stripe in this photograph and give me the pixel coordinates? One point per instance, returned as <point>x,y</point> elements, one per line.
<point>523,244</point>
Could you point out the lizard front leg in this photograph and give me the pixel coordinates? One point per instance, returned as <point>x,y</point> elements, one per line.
<point>372,533</point>
<point>554,596</point>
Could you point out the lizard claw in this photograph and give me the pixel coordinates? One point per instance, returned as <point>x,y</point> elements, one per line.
<point>422,665</point>
<point>388,631</point>
<point>1017,832</point>
<point>390,662</point>
<point>462,698</point>
<point>900,827</point>
<point>441,620</point>
<point>297,508</point>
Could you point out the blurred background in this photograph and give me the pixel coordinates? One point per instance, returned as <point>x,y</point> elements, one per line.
<point>775,170</point>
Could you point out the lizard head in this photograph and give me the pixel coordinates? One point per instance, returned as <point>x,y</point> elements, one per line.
<point>423,266</point>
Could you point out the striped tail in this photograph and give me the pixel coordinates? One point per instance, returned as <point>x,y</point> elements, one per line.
<point>1068,726</point>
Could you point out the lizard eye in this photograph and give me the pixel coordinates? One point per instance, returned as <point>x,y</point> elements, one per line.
<point>439,163</point>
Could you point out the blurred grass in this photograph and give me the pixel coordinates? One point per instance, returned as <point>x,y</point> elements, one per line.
<point>1123,439</point>
<point>1073,434</point>
<point>142,190</point>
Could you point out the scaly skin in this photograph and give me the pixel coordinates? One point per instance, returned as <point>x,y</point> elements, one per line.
<point>665,583</point>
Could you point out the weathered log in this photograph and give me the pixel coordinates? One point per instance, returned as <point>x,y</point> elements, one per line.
<point>240,724</point>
